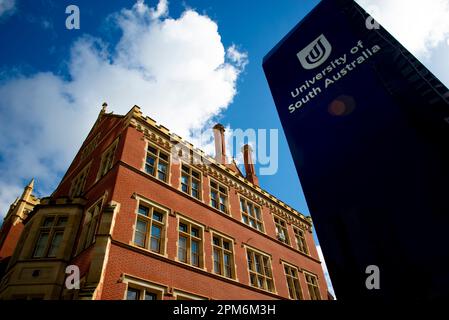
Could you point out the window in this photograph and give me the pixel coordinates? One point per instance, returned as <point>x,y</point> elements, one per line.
<point>191,182</point>
<point>107,160</point>
<point>281,230</point>
<point>140,294</point>
<point>140,289</point>
<point>78,183</point>
<point>90,147</point>
<point>190,244</point>
<point>294,288</point>
<point>251,214</point>
<point>223,256</point>
<point>312,286</point>
<point>150,228</point>
<point>90,226</point>
<point>219,196</point>
<point>300,240</point>
<point>182,295</point>
<point>260,273</point>
<point>157,163</point>
<point>50,237</point>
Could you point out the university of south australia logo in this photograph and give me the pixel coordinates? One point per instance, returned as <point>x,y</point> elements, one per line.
<point>315,53</point>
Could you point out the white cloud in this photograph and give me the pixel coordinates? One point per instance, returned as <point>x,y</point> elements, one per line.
<point>7,7</point>
<point>326,272</point>
<point>421,26</point>
<point>239,57</point>
<point>175,69</point>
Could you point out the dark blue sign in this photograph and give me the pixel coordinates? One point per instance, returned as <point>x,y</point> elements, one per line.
<point>368,128</point>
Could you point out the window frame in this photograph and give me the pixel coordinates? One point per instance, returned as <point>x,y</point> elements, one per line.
<point>89,229</point>
<point>189,182</point>
<point>219,193</point>
<point>296,231</point>
<point>263,267</point>
<point>51,231</point>
<point>186,295</point>
<point>293,279</point>
<point>157,160</point>
<point>102,171</point>
<point>75,182</point>
<point>316,286</point>
<point>284,228</point>
<point>188,249</point>
<point>149,224</point>
<point>143,286</point>
<point>251,217</point>
<point>222,249</point>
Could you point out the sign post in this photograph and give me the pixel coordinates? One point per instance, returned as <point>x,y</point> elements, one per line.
<point>368,128</point>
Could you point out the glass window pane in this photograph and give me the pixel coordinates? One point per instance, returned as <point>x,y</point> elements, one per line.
<point>62,221</point>
<point>253,280</point>
<point>150,296</point>
<point>195,232</point>
<point>252,223</point>
<point>139,239</point>
<point>149,169</point>
<point>132,294</point>
<point>162,167</point>
<point>152,150</point>
<point>195,253</point>
<point>141,226</point>
<point>182,249</point>
<point>227,264</point>
<point>243,205</point>
<point>250,210</point>
<point>162,176</point>
<point>257,211</point>
<point>40,245</point>
<point>156,231</point>
<point>217,261</point>
<point>48,222</point>
<point>55,243</point>
<point>163,156</point>
<point>158,216</point>
<point>182,227</point>
<point>144,210</point>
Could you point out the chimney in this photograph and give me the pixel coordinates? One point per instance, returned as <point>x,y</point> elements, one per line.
<point>249,164</point>
<point>220,146</point>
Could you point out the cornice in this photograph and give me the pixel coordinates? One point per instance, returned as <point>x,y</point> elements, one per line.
<point>161,136</point>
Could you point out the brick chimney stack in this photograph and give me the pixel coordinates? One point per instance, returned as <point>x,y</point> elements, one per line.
<point>220,145</point>
<point>249,164</point>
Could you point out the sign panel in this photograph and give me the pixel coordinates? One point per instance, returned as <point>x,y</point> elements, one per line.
<point>368,128</point>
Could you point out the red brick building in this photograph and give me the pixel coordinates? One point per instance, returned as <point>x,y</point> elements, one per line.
<point>144,215</point>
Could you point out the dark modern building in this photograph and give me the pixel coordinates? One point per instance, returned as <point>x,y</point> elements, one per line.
<point>368,127</point>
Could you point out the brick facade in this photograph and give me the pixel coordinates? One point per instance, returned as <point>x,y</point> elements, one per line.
<point>114,261</point>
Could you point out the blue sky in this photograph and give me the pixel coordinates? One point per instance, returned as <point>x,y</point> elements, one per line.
<point>188,64</point>
<point>35,40</point>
